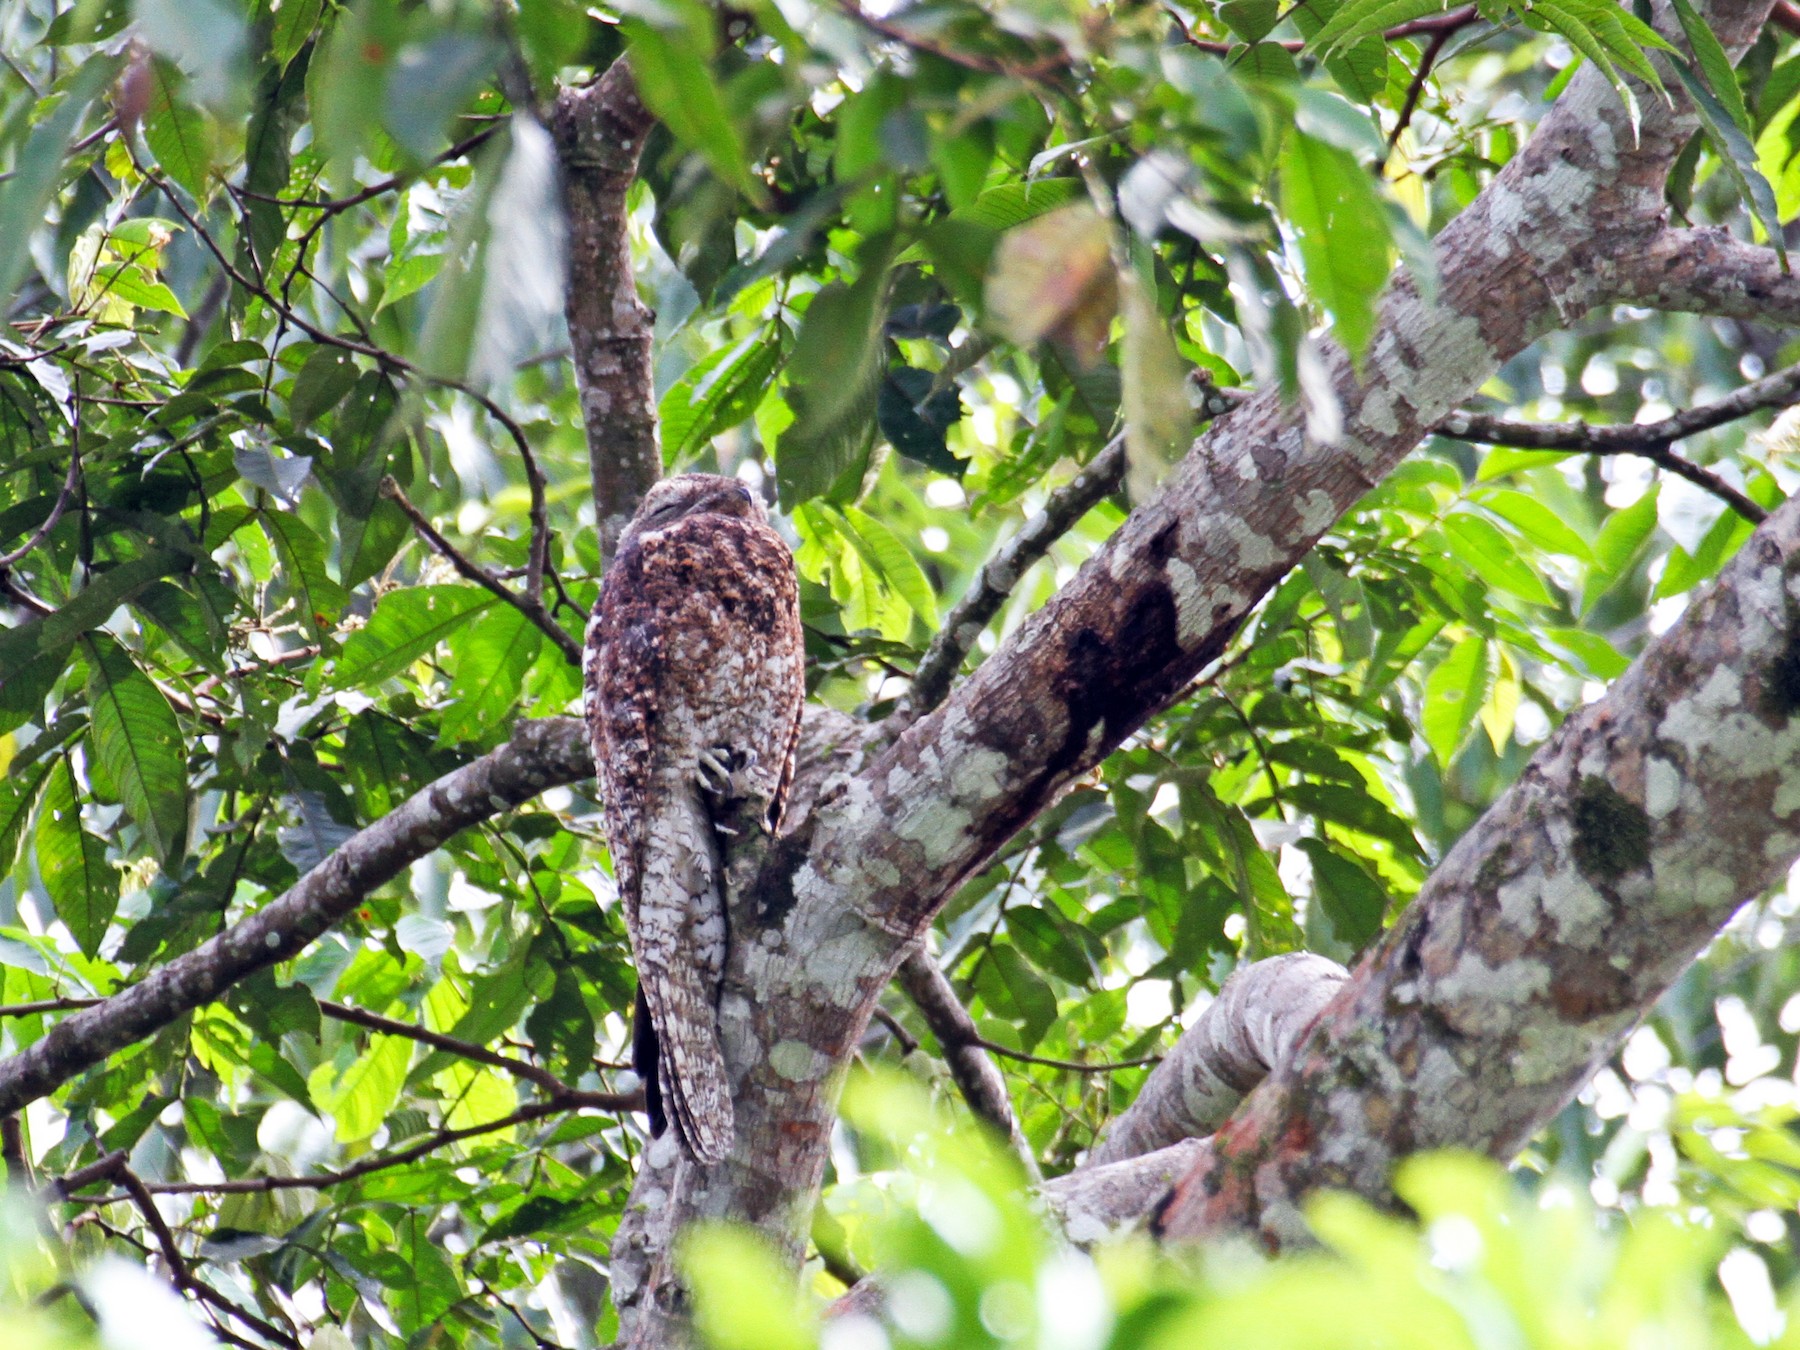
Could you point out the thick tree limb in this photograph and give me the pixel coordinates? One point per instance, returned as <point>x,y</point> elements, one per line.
<point>1253,1025</point>
<point>600,131</point>
<point>540,755</point>
<point>1562,915</point>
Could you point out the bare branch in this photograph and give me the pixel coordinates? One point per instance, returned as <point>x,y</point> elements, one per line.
<point>529,604</point>
<point>995,581</point>
<point>1651,440</point>
<point>541,754</point>
<point>319,1181</point>
<point>600,131</point>
<point>479,1054</point>
<point>978,1078</point>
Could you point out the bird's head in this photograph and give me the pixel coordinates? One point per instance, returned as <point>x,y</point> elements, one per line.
<point>692,494</point>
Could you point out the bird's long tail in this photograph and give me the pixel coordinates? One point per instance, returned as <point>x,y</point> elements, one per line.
<point>681,957</point>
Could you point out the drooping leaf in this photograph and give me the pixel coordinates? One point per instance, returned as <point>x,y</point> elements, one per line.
<point>316,596</point>
<point>1342,231</point>
<point>138,741</point>
<point>407,624</point>
<point>1454,693</point>
<point>83,886</point>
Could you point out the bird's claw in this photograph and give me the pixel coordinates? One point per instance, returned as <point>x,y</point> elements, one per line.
<point>724,772</point>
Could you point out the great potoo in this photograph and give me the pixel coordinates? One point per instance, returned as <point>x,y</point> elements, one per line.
<point>695,679</point>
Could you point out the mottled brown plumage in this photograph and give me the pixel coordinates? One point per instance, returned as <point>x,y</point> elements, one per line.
<point>695,678</point>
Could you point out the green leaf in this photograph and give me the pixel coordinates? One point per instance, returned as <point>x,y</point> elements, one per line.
<point>838,363</point>
<point>38,169</point>
<point>1721,77</point>
<point>1621,538</point>
<point>328,375</point>
<point>1365,18</point>
<point>1596,656</point>
<point>492,659</point>
<point>83,886</point>
<point>294,24</point>
<point>721,390</point>
<point>405,276</point>
<point>1481,546</point>
<point>407,625</point>
<point>1352,899</point>
<point>302,555</point>
<point>1535,521</point>
<point>177,134</point>
<point>360,1097</point>
<point>894,560</point>
<point>1454,693</point>
<point>1342,231</point>
<point>1159,424</point>
<point>18,794</point>
<point>53,635</point>
<point>673,68</point>
<point>133,285</point>
<point>139,745</point>
<point>1736,155</point>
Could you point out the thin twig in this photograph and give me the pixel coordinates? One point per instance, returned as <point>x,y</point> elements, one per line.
<point>1448,22</point>
<point>376,1162</point>
<point>995,582</point>
<point>338,205</point>
<point>480,1054</point>
<point>1785,15</point>
<point>986,65</point>
<point>1075,1065</point>
<point>183,1277</point>
<point>895,1028</point>
<point>45,1005</point>
<point>1414,92</point>
<point>63,497</point>
<point>530,606</point>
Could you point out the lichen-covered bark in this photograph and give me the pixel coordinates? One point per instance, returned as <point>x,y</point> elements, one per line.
<point>1253,1025</point>
<point>1554,923</point>
<point>600,131</point>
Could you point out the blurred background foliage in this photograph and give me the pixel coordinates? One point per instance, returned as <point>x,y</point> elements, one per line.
<point>911,269</point>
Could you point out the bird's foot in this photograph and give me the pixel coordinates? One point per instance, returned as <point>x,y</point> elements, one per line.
<point>724,772</point>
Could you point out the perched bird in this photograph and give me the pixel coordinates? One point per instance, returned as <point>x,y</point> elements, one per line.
<point>695,671</point>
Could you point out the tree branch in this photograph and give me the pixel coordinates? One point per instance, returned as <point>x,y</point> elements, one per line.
<point>1651,440</point>
<point>529,604</point>
<point>600,131</point>
<point>1565,911</point>
<point>541,754</point>
<point>977,1077</point>
<point>1253,1025</point>
<point>992,585</point>
<point>374,1162</point>
<point>1707,271</point>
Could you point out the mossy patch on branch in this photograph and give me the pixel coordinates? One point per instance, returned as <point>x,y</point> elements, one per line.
<point>1612,832</point>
